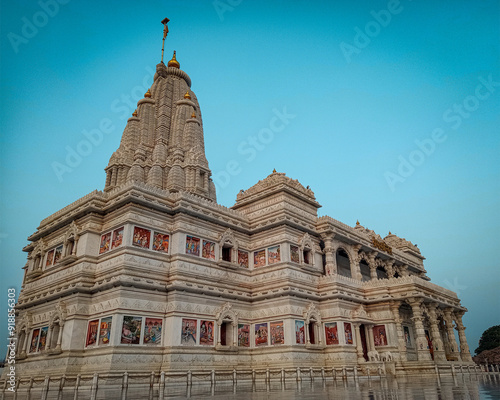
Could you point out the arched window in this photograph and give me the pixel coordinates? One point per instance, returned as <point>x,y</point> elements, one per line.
<point>365,270</point>
<point>312,321</point>
<point>227,323</point>
<point>381,273</point>
<point>55,335</point>
<point>313,328</point>
<point>343,263</point>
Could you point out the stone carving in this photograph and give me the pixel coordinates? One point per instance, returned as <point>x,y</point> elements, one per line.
<point>312,313</point>
<point>276,178</point>
<point>373,355</point>
<point>359,313</point>
<point>381,245</point>
<point>226,312</point>
<point>306,242</point>
<point>228,238</point>
<point>401,243</point>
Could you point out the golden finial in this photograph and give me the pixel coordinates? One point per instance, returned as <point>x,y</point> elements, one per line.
<point>173,62</point>
<point>274,170</point>
<point>187,95</point>
<point>165,31</point>
<point>357,222</point>
<point>193,115</point>
<point>390,233</point>
<point>134,114</point>
<point>148,93</point>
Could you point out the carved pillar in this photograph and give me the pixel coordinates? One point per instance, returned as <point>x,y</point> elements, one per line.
<point>423,353</point>
<point>373,267</point>
<point>75,244</point>
<point>371,341</point>
<point>234,255</point>
<point>354,260</point>
<point>389,267</point>
<point>464,347</point>
<point>454,354</point>
<point>42,258</point>
<point>359,346</point>
<point>27,344</point>
<point>403,270</point>
<point>308,339</point>
<point>234,335</point>
<point>59,337</point>
<point>330,256</point>
<point>49,337</point>
<point>23,338</point>
<point>399,329</point>
<point>218,333</point>
<point>444,335</point>
<point>437,342</point>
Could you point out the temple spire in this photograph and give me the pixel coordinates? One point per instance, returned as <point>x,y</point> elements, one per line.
<point>165,32</point>
<point>163,145</point>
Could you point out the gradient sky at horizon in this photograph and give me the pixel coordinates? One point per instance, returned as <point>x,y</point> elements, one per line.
<point>357,117</point>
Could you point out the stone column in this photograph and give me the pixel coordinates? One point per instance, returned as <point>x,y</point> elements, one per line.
<point>75,245</point>
<point>49,337</point>
<point>437,342</point>
<point>359,345</point>
<point>403,270</point>
<point>373,267</point>
<point>330,256</point>
<point>218,333</point>
<point>448,318</point>
<point>234,335</point>
<point>354,260</point>
<point>318,332</point>
<point>42,258</point>
<point>59,337</point>
<point>464,347</point>
<point>444,335</point>
<point>399,329</point>
<point>389,267</point>
<point>423,353</point>
<point>308,339</point>
<point>371,341</point>
<point>22,338</point>
<point>27,342</point>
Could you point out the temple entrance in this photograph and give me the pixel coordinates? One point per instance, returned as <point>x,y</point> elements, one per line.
<point>311,332</point>
<point>226,253</point>
<point>223,329</point>
<point>362,334</point>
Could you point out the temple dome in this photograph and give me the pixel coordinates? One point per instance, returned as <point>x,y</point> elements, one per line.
<point>173,62</point>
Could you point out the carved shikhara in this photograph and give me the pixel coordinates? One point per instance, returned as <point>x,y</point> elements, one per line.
<point>158,183</point>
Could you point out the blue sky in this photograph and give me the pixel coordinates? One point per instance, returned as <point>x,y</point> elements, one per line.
<point>390,109</point>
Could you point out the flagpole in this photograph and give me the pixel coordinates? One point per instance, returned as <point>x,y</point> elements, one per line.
<point>165,32</point>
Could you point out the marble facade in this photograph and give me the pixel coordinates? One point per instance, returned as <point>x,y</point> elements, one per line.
<point>151,274</point>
